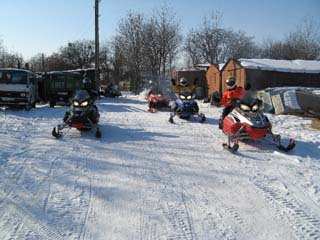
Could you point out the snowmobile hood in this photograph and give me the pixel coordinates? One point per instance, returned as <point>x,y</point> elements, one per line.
<point>186,96</point>
<point>253,119</point>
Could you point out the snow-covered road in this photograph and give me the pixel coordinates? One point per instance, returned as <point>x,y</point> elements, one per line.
<point>149,179</point>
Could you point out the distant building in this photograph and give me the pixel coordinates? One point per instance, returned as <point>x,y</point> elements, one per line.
<point>213,76</point>
<point>264,73</point>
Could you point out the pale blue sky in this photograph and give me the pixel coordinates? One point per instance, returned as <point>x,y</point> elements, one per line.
<point>35,26</point>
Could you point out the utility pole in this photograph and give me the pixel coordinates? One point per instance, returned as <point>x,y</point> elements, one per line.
<point>97,64</point>
<point>42,62</point>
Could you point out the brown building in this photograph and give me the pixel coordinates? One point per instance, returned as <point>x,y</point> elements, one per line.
<point>264,73</point>
<point>213,76</point>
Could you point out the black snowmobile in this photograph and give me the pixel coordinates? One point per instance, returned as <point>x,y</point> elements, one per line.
<point>82,115</point>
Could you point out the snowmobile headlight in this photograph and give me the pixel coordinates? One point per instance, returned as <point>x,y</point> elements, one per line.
<point>244,107</point>
<point>75,103</point>
<point>189,97</point>
<point>84,104</point>
<point>182,97</point>
<point>255,108</point>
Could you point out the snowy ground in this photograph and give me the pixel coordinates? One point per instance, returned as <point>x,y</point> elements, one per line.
<point>148,179</point>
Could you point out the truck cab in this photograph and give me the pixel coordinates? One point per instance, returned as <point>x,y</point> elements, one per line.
<point>60,87</point>
<point>18,88</point>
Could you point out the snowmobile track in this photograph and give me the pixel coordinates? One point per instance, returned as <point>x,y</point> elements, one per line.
<point>19,212</point>
<point>89,208</point>
<point>180,220</point>
<point>305,225</point>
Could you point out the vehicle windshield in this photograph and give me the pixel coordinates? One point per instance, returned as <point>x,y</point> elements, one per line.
<point>13,77</point>
<point>81,95</point>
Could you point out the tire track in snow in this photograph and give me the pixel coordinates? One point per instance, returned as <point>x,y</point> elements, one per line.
<point>222,211</point>
<point>302,168</point>
<point>76,207</point>
<point>179,214</point>
<point>304,223</point>
<point>17,211</point>
<point>17,198</point>
<point>173,200</point>
<point>89,210</point>
<point>49,179</point>
<point>177,209</point>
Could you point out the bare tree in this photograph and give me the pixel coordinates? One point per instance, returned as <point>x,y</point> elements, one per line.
<point>168,37</point>
<point>79,54</point>
<point>152,48</point>
<point>211,43</point>
<point>105,63</point>
<point>273,49</point>
<point>11,60</point>
<point>239,45</point>
<point>118,62</point>
<point>56,62</point>
<point>36,62</point>
<point>303,43</point>
<point>204,43</point>
<point>130,40</point>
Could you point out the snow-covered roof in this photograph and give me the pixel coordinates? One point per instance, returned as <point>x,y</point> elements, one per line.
<point>190,70</point>
<point>221,65</point>
<point>207,65</point>
<point>297,66</point>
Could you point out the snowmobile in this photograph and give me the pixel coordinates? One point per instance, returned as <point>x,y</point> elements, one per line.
<point>185,106</point>
<point>82,115</point>
<point>156,101</point>
<point>247,121</point>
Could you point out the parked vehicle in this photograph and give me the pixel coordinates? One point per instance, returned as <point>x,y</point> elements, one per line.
<point>185,107</point>
<point>18,88</point>
<point>59,87</point>
<point>247,121</point>
<point>156,101</point>
<point>112,91</point>
<point>83,115</point>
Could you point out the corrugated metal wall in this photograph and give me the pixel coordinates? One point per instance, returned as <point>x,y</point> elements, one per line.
<point>264,79</point>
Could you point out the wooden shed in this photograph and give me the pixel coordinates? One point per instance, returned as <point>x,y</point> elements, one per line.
<point>191,75</point>
<point>213,76</point>
<point>264,73</point>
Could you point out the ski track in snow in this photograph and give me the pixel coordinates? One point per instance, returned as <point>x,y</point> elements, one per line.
<point>149,179</point>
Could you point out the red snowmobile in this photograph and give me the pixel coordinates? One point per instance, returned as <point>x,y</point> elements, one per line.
<point>156,101</point>
<point>246,121</point>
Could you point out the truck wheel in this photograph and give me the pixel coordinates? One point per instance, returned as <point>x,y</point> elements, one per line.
<point>28,107</point>
<point>52,104</point>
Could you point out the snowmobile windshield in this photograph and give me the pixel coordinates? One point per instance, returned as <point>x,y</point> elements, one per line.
<point>81,96</point>
<point>250,104</point>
